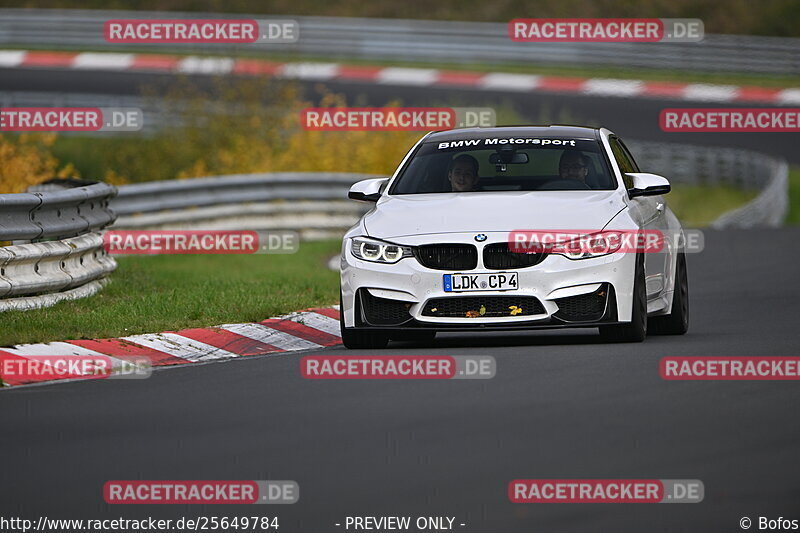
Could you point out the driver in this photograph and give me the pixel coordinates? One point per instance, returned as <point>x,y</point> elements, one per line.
<point>463,173</point>
<point>573,165</point>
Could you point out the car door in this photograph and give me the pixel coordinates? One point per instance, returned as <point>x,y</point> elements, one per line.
<point>651,213</point>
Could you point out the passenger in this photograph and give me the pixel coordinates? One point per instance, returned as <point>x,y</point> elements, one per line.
<point>463,173</point>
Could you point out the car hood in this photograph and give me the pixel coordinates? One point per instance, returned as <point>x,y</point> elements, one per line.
<point>416,214</point>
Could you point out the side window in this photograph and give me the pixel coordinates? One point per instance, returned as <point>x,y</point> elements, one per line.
<point>628,153</point>
<point>624,160</point>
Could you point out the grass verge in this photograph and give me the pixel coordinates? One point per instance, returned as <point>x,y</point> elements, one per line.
<point>149,294</point>
<point>699,205</point>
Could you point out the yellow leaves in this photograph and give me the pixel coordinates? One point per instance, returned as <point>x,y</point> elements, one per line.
<point>241,127</point>
<point>267,136</point>
<point>68,171</point>
<point>198,169</point>
<point>342,151</point>
<point>112,177</point>
<point>26,160</point>
<point>515,310</point>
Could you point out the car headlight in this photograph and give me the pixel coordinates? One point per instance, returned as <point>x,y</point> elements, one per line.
<point>588,246</point>
<point>379,251</point>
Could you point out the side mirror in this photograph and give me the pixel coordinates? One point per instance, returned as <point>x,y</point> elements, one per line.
<point>367,190</point>
<point>645,184</point>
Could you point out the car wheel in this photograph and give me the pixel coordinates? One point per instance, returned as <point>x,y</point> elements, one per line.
<point>413,336</point>
<point>636,330</point>
<point>361,339</point>
<point>677,321</point>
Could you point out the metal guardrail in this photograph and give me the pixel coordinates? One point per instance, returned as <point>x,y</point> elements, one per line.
<point>740,168</point>
<point>67,259</point>
<point>314,203</point>
<point>53,265</point>
<point>768,209</point>
<point>46,215</point>
<point>421,40</point>
<point>241,188</point>
<point>703,165</point>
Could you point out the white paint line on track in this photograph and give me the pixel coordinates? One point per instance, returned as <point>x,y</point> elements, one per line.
<point>612,87</point>
<point>509,82</point>
<point>267,335</point>
<point>205,65</point>
<point>11,58</point>
<point>179,346</point>
<point>704,92</point>
<point>408,76</point>
<point>309,71</point>
<point>103,61</point>
<point>789,96</point>
<point>31,351</point>
<point>53,348</point>
<point>317,321</point>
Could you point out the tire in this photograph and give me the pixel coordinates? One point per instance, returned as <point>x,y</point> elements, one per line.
<point>677,321</point>
<point>422,336</point>
<point>636,330</point>
<point>361,339</point>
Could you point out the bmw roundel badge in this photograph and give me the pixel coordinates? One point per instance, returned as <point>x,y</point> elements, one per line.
<point>480,237</point>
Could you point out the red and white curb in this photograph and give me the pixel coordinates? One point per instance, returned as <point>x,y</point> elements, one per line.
<point>418,77</point>
<point>305,330</point>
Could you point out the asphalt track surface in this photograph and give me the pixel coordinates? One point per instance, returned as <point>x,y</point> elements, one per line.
<point>628,117</point>
<point>562,405</point>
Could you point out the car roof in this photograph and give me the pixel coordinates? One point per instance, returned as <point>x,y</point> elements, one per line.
<point>554,131</point>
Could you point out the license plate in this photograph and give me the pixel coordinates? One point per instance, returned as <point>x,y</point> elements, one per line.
<point>496,281</point>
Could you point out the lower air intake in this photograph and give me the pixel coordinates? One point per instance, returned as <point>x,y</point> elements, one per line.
<point>483,307</point>
<point>584,307</point>
<point>382,311</point>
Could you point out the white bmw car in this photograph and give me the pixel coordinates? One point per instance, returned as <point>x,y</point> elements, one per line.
<point>513,228</point>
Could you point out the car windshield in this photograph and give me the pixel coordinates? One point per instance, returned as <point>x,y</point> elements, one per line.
<point>505,164</point>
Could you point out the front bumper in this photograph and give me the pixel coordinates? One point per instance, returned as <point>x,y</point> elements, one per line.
<point>566,292</point>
